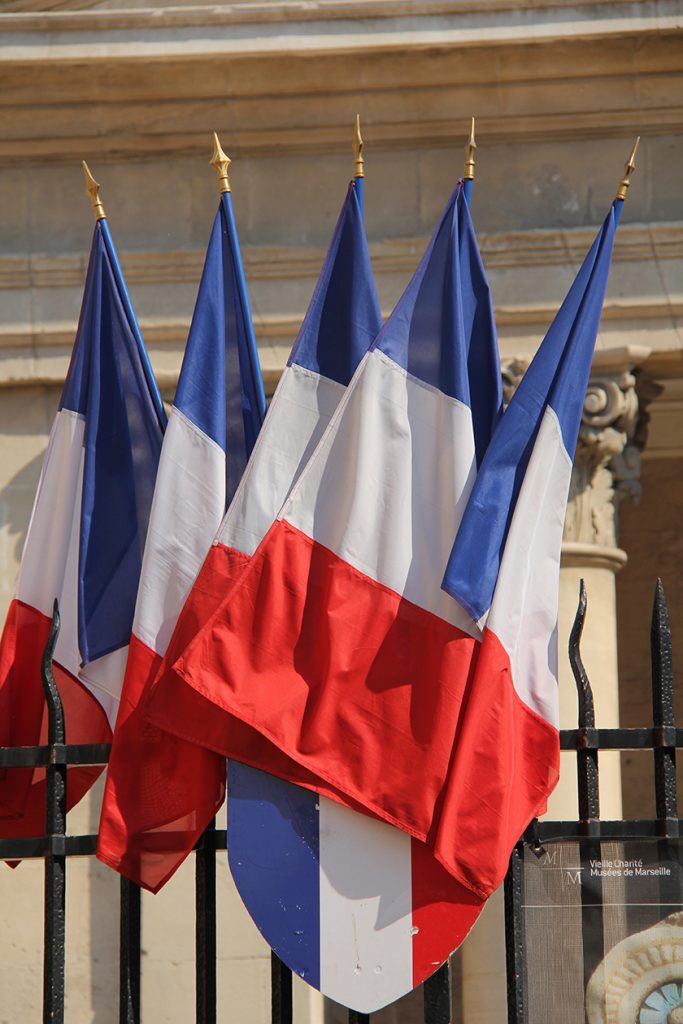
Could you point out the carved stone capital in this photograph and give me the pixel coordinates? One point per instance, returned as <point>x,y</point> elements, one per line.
<point>607,460</point>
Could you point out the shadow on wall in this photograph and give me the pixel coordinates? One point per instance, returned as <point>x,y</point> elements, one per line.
<point>16,502</point>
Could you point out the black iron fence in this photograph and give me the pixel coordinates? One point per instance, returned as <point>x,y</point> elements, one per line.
<point>589,831</point>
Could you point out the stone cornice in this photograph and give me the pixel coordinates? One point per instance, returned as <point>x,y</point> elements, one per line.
<point>541,248</point>
<point>134,141</point>
<point>83,14</point>
<point>239,30</point>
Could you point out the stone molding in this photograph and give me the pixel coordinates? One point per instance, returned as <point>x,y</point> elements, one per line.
<point>537,248</point>
<point>82,14</point>
<point>79,83</point>
<point>607,460</point>
<point>332,25</point>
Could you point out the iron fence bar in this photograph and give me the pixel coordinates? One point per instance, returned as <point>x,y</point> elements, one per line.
<point>515,953</point>
<point>617,738</point>
<point>613,738</point>
<point>281,1006</point>
<point>437,996</point>
<point>664,719</point>
<point>587,756</point>
<point>620,829</point>
<point>205,927</point>
<point>55,853</point>
<point>129,953</point>
<point>663,714</point>
<point>58,753</point>
<point>588,789</point>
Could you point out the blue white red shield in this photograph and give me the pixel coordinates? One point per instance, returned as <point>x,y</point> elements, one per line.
<point>352,905</point>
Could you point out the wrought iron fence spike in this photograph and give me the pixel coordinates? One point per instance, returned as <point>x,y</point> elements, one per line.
<point>55,710</point>
<point>583,686</point>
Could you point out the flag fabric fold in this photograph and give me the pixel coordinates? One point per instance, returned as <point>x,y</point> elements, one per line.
<point>443,329</point>
<point>161,792</point>
<point>342,320</point>
<point>85,542</point>
<point>360,547</point>
<point>340,662</point>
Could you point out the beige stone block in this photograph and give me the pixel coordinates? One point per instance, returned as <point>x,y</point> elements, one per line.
<point>14,208</point>
<point>392,195</point>
<point>483,966</point>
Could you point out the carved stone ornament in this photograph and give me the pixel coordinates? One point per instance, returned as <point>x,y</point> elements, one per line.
<point>640,981</point>
<point>611,436</point>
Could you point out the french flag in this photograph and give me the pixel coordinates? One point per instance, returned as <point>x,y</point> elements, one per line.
<point>341,663</point>
<point>161,792</point>
<point>342,320</point>
<point>504,569</point>
<point>85,542</point>
<point>327,650</point>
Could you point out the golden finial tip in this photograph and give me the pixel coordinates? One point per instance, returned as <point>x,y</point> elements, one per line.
<point>221,162</point>
<point>468,173</point>
<point>92,189</point>
<point>358,163</point>
<point>628,171</point>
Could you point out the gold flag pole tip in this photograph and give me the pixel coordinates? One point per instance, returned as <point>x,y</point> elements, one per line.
<point>628,171</point>
<point>221,162</point>
<point>468,173</point>
<point>358,162</point>
<point>92,189</point>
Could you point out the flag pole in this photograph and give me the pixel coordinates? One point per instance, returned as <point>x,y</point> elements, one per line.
<point>468,173</point>
<point>358,163</point>
<point>92,189</point>
<point>221,161</point>
<point>625,182</point>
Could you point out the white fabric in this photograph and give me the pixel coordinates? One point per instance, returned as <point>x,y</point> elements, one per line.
<point>388,484</point>
<point>300,411</point>
<point>366,942</point>
<point>525,604</point>
<point>49,565</point>
<point>187,508</point>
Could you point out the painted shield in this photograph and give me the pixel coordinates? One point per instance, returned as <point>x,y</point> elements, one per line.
<point>355,907</point>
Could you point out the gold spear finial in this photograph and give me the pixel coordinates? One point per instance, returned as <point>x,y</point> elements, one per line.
<point>358,163</point>
<point>468,174</point>
<point>221,162</point>
<point>628,171</point>
<point>92,189</point>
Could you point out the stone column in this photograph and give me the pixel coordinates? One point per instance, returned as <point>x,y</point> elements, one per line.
<point>606,472</point>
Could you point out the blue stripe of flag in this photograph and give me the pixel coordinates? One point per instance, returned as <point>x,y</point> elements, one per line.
<point>442,330</point>
<point>557,377</point>
<point>220,388</point>
<point>109,383</point>
<point>343,317</point>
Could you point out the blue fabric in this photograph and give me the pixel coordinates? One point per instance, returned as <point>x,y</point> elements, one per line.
<point>557,377</point>
<point>220,388</point>
<point>109,384</point>
<point>274,855</point>
<point>360,193</point>
<point>442,330</point>
<point>343,317</point>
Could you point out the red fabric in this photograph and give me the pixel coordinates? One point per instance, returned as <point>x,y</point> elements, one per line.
<point>370,699</point>
<point>160,792</point>
<point>23,722</point>
<point>153,816</point>
<point>443,911</point>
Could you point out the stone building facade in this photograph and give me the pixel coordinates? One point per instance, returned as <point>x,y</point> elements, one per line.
<point>559,88</point>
